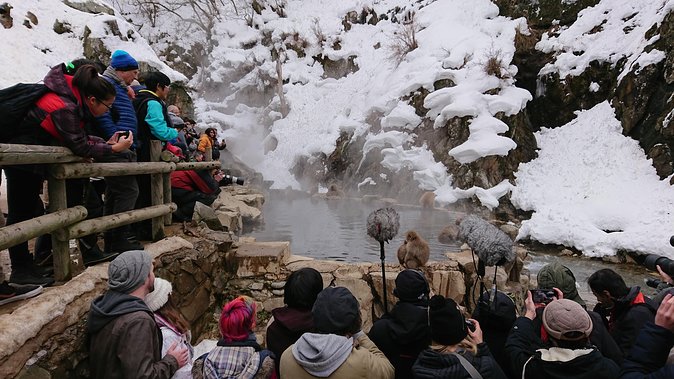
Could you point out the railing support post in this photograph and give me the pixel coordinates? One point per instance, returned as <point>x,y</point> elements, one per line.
<point>157,191</point>
<point>59,238</point>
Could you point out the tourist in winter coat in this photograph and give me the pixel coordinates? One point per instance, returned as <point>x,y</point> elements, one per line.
<point>209,140</point>
<point>339,348</point>
<point>188,187</point>
<point>624,310</point>
<point>124,340</point>
<point>290,322</point>
<point>568,327</point>
<point>456,351</point>
<point>121,192</point>
<point>496,317</point>
<point>174,328</point>
<point>404,332</point>
<point>154,122</point>
<point>58,118</point>
<point>237,354</point>
<point>556,275</point>
<point>648,357</point>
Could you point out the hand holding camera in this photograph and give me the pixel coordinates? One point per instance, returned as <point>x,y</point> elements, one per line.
<point>474,330</point>
<point>121,140</point>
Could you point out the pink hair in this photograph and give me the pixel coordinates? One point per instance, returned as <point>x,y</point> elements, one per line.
<point>237,319</point>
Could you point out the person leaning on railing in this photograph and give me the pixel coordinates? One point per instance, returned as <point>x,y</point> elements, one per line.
<point>58,118</point>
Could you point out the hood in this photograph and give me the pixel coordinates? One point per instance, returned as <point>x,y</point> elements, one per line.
<point>409,323</point>
<point>60,83</point>
<point>295,320</point>
<point>558,275</point>
<point>558,354</point>
<point>321,354</point>
<point>111,305</point>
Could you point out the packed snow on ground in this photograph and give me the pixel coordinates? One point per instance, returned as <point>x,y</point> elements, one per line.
<point>593,189</point>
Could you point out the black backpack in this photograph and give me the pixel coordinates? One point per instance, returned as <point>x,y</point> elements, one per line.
<point>15,102</point>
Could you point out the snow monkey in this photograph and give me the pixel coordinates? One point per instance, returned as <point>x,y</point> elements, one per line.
<point>334,191</point>
<point>414,251</point>
<point>427,200</point>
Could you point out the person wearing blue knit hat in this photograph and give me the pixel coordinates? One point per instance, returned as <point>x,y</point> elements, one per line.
<point>121,191</point>
<point>122,61</point>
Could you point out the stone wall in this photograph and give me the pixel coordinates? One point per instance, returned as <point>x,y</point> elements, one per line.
<point>44,337</point>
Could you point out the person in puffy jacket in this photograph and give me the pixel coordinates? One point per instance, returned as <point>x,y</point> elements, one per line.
<point>570,355</point>
<point>58,118</point>
<point>457,350</point>
<point>648,357</point>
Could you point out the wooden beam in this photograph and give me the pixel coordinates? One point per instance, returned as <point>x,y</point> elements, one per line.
<point>14,234</point>
<point>197,166</point>
<point>60,246</point>
<point>35,154</point>
<point>156,191</point>
<point>86,170</point>
<point>100,224</point>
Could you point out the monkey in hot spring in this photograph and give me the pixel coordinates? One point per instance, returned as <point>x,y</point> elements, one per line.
<point>414,251</point>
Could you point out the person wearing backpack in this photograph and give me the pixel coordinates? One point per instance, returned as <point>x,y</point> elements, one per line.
<point>57,118</point>
<point>121,192</point>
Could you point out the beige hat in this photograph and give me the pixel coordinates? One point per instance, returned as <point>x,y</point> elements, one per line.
<point>157,298</point>
<point>565,319</point>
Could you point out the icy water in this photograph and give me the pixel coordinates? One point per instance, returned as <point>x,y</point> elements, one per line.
<point>336,230</point>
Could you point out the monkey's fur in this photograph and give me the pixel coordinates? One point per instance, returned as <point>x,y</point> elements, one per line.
<point>414,251</point>
<point>427,200</point>
<point>334,191</point>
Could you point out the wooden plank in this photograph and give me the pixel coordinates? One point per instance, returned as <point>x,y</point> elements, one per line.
<point>86,170</point>
<point>157,191</point>
<point>35,154</point>
<point>208,154</point>
<point>197,166</point>
<point>166,186</point>
<point>60,245</point>
<point>14,234</point>
<point>100,224</point>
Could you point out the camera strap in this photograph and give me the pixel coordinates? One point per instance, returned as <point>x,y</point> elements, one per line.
<point>472,371</point>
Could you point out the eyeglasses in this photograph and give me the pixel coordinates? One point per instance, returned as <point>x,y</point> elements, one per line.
<point>106,105</point>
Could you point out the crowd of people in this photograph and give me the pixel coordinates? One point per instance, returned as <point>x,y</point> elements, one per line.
<point>136,330</point>
<point>102,114</point>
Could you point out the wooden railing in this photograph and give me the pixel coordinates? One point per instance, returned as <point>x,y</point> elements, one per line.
<point>65,223</point>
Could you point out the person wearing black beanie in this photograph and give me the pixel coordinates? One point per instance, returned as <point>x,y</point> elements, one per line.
<point>404,332</point>
<point>457,348</point>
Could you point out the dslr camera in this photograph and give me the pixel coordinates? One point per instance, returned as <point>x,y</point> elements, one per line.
<point>543,295</point>
<point>229,180</point>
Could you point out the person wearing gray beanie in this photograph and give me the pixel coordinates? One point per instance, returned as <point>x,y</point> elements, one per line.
<point>129,271</point>
<point>124,341</point>
<point>339,349</point>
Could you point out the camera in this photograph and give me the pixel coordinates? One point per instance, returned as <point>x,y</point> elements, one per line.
<point>653,283</point>
<point>543,295</point>
<point>228,179</point>
<point>470,325</point>
<point>652,260</point>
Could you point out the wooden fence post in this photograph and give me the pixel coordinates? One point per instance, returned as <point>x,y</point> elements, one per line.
<point>157,191</point>
<point>208,154</point>
<point>59,237</point>
<point>166,185</point>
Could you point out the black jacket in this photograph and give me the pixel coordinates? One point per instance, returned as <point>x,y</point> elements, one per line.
<point>432,364</point>
<point>144,133</point>
<point>648,357</point>
<point>627,317</point>
<point>402,335</point>
<point>554,362</point>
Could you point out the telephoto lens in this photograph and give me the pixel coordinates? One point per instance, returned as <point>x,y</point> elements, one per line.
<point>653,283</point>
<point>228,180</point>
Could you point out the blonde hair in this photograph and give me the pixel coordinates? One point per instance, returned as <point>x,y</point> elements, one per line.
<point>466,344</point>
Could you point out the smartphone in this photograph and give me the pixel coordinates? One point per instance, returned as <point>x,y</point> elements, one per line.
<point>543,295</point>
<point>470,325</point>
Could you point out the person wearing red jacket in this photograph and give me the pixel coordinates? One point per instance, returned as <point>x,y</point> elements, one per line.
<point>188,187</point>
<point>58,118</point>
